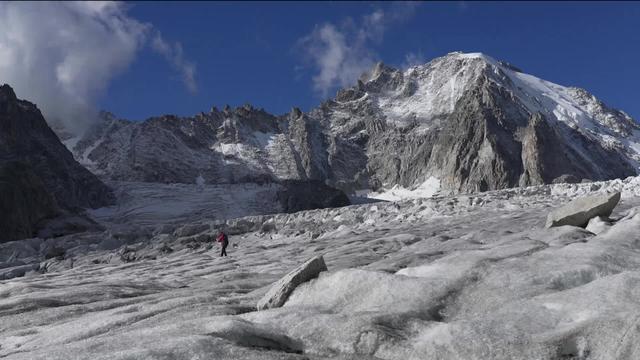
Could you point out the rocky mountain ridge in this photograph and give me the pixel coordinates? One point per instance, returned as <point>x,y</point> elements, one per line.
<point>464,121</point>
<point>39,179</point>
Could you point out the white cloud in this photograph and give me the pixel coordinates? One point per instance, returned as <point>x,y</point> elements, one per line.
<point>63,55</point>
<point>339,59</point>
<point>412,59</point>
<point>340,54</point>
<point>174,54</point>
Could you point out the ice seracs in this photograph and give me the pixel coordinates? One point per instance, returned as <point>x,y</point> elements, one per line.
<point>469,276</point>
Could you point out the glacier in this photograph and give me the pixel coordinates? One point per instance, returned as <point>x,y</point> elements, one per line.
<point>470,276</point>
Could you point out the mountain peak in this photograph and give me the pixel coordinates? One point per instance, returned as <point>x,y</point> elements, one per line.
<point>381,67</point>
<point>376,72</point>
<point>7,94</point>
<point>295,112</point>
<point>483,57</point>
<point>400,127</point>
<point>474,55</point>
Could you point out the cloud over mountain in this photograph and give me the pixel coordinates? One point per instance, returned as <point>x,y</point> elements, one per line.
<point>63,55</point>
<point>340,53</point>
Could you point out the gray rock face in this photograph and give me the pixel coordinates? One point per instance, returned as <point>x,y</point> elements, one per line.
<point>548,158</point>
<point>24,201</point>
<point>580,211</point>
<point>39,178</point>
<point>474,123</point>
<point>229,146</point>
<point>280,291</point>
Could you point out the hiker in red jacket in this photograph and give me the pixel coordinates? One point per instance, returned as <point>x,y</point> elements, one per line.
<point>224,241</point>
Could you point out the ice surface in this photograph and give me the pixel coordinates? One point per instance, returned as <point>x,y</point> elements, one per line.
<point>150,204</point>
<point>472,276</point>
<point>427,189</point>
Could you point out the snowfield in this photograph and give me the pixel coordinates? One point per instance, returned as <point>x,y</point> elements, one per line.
<point>472,276</point>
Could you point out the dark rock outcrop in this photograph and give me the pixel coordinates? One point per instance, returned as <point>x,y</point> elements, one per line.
<point>39,178</point>
<point>24,201</point>
<point>308,195</point>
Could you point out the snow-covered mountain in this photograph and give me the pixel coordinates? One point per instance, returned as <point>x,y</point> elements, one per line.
<point>461,123</point>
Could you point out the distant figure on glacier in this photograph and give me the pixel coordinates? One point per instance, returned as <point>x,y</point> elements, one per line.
<point>224,241</point>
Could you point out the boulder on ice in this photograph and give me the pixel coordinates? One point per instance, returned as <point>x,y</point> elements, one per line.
<point>580,211</point>
<point>280,291</point>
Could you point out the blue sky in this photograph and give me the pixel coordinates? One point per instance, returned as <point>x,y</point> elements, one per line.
<point>253,52</point>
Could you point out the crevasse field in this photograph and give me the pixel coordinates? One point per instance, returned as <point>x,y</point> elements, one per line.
<point>450,277</point>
